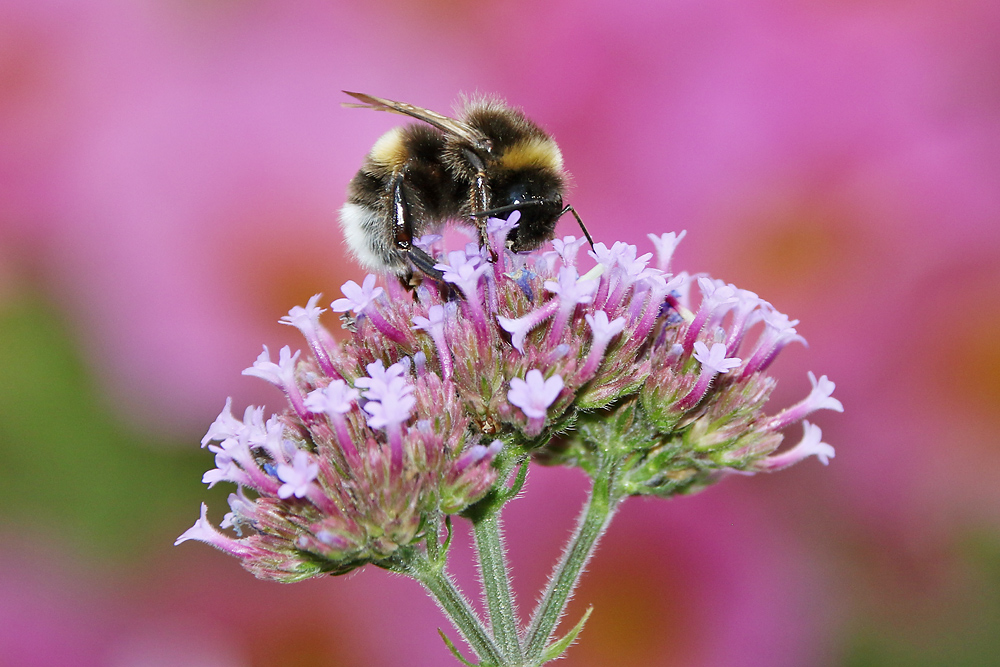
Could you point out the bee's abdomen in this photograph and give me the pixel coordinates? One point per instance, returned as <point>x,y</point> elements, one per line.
<point>411,156</point>
<point>366,231</point>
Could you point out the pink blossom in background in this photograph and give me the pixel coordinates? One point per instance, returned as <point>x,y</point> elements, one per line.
<point>170,173</point>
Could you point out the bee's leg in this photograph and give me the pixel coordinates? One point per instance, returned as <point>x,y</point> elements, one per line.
<point>570,209</point>
<point>402,225</point>
<point>402,219</point>
<point>424,262</point>
<point>480,201</point>
<point>484,239</point>
<point>407,280</point>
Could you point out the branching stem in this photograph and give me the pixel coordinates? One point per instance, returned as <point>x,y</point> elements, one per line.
<point>496,587</point>
<point>591,525</point>
<point>442,588</point>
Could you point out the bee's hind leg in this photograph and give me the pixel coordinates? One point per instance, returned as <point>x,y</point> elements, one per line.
<point>402,226</point>
<point>424,263</point>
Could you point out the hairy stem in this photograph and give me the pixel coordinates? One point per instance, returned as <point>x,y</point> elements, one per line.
<point>440,585</point>
<point>496,586</point>
<point>591,525</point>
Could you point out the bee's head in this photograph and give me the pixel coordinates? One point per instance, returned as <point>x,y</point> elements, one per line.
<point>537,194</point>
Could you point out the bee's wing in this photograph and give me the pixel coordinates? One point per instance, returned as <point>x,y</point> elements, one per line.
<point>448,125</point>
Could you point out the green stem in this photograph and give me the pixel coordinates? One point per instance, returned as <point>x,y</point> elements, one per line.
<point>593,521</point>
<point>440,585</point>
<point>496,586</point>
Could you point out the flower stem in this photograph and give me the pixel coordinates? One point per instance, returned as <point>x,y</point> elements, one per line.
<point>440,585</point>
<point>496,586</point>
<point>593,521</point>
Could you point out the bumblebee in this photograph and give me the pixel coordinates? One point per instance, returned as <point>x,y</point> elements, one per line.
<point>488,162</point>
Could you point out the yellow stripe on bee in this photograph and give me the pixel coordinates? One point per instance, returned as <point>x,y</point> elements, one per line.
<point>389,149</point>
<point>534,152</point>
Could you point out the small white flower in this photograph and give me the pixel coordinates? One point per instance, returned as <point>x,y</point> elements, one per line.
<point>534,394</point>
<point>715,359</point>
<point>297,477</point>
<point>665,245</point>
<point>281,374</point>
<point>357,297</point>
<point>335,398</point>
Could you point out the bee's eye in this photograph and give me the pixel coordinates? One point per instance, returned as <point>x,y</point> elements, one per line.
<point>517,194</point>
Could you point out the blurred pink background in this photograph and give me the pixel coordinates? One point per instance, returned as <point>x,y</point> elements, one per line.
<point>169,176</point>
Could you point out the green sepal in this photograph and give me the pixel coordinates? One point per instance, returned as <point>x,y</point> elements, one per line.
<point>455,652</point>
<point>558,647</point>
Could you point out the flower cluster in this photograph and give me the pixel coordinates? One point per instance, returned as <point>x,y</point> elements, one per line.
<point>440,391</point>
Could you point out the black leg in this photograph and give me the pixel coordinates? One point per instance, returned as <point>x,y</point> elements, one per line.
<point>424,262</point>
<point>402,223</point>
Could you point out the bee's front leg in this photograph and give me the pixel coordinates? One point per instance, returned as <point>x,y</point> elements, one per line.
<point>480,200</point>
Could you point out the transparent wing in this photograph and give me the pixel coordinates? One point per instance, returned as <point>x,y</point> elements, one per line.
<point>446,124</point>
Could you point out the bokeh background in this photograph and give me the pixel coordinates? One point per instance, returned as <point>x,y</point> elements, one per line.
<point>169,176</point>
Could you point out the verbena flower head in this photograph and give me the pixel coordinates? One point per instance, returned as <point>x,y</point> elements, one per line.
<point>439,389</point>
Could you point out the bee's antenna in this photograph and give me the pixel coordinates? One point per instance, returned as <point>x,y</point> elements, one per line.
<point>570,209</point>
<point>505,209</point>
<point>513,207</point>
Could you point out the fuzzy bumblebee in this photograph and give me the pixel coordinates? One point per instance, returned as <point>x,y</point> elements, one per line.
<point>489,161</point>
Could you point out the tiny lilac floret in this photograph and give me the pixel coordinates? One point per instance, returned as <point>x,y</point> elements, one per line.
<point>202,530</point>
<point>778,332</point>
<point>427,241</point>
<point>388,393</point>
<point>335,398</point>
<point>567,248</point>
<point>239,507</point>
<point>433,321</point>
<point>715,359</point>
<point>305,319</point>
<point>461,268</point>
<point>811,445</point>
<point>477,453</point>
<point>501,226</point>
<point>519,327</point>
<point>665,245</point>
<point>224,426</point>
<point>534,394</point>
<point>281,374</point>
<point>607,257</point>
<point>571,288</point>
<point>392,407</point>
<point>297,477</point>
<point>716,294</point>
<point>821,396</point>
<point>433,324</point>
<point>381,380</point>
<point>274,441</point>
<point>357,297</point>
<point>603,329</point>
<point>629,262</point>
